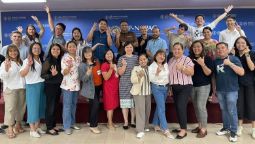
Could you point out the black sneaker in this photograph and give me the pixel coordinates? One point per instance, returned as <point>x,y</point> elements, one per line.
<point>223,131</point>
<point>2,131</point>
<point>233,137</point>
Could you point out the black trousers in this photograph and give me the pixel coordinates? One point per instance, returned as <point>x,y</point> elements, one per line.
<point>52,92</point>
<point>181,95</point>
<point>246,102</point>
<point>94,105</point>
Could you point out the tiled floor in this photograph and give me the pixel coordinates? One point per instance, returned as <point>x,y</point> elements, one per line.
<point>120,136</point>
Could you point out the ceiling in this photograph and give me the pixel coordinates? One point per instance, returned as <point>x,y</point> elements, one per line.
<point>83,5</point>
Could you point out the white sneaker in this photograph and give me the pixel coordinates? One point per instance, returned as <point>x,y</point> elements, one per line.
<point>233,137</point>
<point>75,127</point>
<point>40,131</point>
<point>239,131</point>
<point>35,134</point>
<point>221,132</point>
<point>146,130</point>
<point>140,134</point>
<point>253,133</point>
<point>168,134</point>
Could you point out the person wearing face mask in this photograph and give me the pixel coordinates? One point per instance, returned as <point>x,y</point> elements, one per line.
<point>16,38</point>
<point>156,43</point>
<point>101,37</point>
<point>196,32</point>
<point>246,97</point>
<point>123,36</point>
<point>142,40</point>
<point>177,37</point>
<point>232,32</point>
<point>57,32</point>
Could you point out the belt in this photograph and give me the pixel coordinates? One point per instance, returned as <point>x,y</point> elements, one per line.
<point>161,85</point>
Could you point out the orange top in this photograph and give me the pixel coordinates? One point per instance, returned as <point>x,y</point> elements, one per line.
<point>97,74</point>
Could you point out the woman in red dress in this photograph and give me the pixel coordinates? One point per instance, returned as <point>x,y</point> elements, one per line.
<point>110,86</point>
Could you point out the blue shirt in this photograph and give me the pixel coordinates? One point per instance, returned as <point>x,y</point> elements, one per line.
<point>99,37</point>
<point>226,78</point>
<point>154,45</point>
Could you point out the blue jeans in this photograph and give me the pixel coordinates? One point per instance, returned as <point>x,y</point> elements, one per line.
<point>69,107</point>
<point>228,108</point>
<point>160,95</point>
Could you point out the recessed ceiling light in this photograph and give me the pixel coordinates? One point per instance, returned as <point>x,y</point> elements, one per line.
<point>23,1</point>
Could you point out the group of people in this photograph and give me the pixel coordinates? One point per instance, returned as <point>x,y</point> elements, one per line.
<point>34,79</point>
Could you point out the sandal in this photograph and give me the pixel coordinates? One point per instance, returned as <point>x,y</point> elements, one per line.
<point>10,134</point>
<point>18,130</point>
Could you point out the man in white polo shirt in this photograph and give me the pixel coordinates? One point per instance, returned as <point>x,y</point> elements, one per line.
<point>232,32</point>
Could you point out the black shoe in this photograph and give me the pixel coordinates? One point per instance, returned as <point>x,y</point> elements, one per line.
<point>2,131</point>
<point>59,130</point>
<point>176,130</point>
<point>181,137</point>
<point>4,126</point>
<point>125,127</point>
<point>52,133</point>
<point>133,125</point>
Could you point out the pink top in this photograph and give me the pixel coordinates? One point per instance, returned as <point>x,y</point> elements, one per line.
<point>177,77</point>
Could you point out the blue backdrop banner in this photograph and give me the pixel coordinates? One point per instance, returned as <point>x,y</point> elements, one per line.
<point>85,19</point>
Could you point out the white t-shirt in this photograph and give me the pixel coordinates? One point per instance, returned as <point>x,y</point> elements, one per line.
<point>197,33</point>
<point>33,77</point>
<point>230,37</point>
<point>12,78</point>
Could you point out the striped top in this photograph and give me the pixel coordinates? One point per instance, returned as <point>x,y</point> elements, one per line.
<point>146,87</point>
<point>176,76</point>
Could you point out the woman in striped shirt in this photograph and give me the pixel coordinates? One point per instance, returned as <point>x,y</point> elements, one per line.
<point>181,69</point>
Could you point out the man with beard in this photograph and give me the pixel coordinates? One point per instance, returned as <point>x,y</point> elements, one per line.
<point>102,36</point>
<point>155,44</point>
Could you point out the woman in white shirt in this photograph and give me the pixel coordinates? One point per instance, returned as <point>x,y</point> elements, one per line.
<point>14,91</point>
<point>158,74</point>
<point>35,98</point>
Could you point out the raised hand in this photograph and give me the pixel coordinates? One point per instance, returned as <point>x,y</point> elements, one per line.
<point>229,8</point>
<point>30,60</point>
<point>200,61</point>
<point>7,65</point>
<point>238,27</point>
<point>227,61</point>
<point>53,70</point>
<point>89,70</point>
<point>173,15</point>
<point>123,62</point>
<point>159,69</point>
<point>34,18</point>
<point>140,74</point>
<point>179,66</point>
<point>69,64</point>
<point>94,27</point>
<point>108,31</point>
<point>47,9</point>
<point>117,32</point>
<point>19,29</point>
